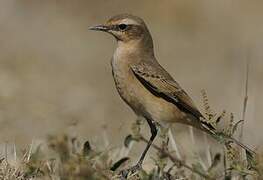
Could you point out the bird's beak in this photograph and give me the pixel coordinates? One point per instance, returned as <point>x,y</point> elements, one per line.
<point>99,28</point>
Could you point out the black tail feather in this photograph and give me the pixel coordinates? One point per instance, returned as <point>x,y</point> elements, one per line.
<point>226,138</point>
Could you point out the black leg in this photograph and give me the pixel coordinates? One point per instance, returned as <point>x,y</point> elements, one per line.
<point>154,133</point>
<point>138,166</point>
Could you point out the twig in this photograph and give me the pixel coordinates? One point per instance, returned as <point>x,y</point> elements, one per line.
<point>30,151</point>
<point>243,153</point>
<point>15,156</point>
<point>244,102</point>
<point>174,145</point>
<point>177,161</point>
<point>208,150</point>
<point>225,163</point>
<point>191,130</point>
<point>6,155</point>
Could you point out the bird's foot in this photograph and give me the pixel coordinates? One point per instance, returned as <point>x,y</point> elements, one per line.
<point>130,171</point>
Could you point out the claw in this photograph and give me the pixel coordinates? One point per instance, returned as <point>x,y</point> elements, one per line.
<point>130,171</point>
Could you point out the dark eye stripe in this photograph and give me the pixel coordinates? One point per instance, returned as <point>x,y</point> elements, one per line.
<point>117,27</point>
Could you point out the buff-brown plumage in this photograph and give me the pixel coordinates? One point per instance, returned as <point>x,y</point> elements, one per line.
<point>143,83</point>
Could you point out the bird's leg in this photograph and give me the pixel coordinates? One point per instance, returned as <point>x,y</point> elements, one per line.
<point>138,166</point>
<point>154,131</point>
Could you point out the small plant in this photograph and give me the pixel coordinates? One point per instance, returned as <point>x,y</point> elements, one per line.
<point>63,157</point>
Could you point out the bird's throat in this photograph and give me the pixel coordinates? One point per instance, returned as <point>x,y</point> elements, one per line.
<point>134,49</point>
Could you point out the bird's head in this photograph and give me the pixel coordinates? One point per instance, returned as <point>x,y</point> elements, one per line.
<point>125,28</point>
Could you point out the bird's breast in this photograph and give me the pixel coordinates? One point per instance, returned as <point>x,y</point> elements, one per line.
<point>124,81</point>
<point>133,92</point>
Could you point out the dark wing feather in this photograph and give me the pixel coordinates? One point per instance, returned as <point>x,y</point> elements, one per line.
<point>161,84</point>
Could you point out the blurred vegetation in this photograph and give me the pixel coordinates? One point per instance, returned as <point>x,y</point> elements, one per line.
<point>65,157</point>
<point>53,69</point>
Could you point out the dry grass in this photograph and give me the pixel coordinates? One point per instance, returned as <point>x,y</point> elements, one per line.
<point>65,157</point>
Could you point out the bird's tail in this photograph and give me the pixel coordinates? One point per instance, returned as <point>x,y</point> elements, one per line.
<point>223,138</point>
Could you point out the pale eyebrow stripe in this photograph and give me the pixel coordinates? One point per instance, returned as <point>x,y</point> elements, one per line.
<point>129,21</point>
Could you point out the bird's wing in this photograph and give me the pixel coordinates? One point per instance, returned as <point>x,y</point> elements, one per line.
<point>161,84</point>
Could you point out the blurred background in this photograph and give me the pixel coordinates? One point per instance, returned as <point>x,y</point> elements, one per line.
<point>55,73</point>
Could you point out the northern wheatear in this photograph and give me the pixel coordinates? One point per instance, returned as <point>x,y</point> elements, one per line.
<point>143,83</point>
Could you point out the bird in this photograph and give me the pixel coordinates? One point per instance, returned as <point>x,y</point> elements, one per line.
<point>143,84</point>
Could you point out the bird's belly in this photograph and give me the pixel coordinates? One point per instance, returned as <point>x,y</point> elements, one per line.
<point>161,110</point>
<point>143,102</point>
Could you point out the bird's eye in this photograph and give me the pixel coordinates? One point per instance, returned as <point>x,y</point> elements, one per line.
<point>122,26</point>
